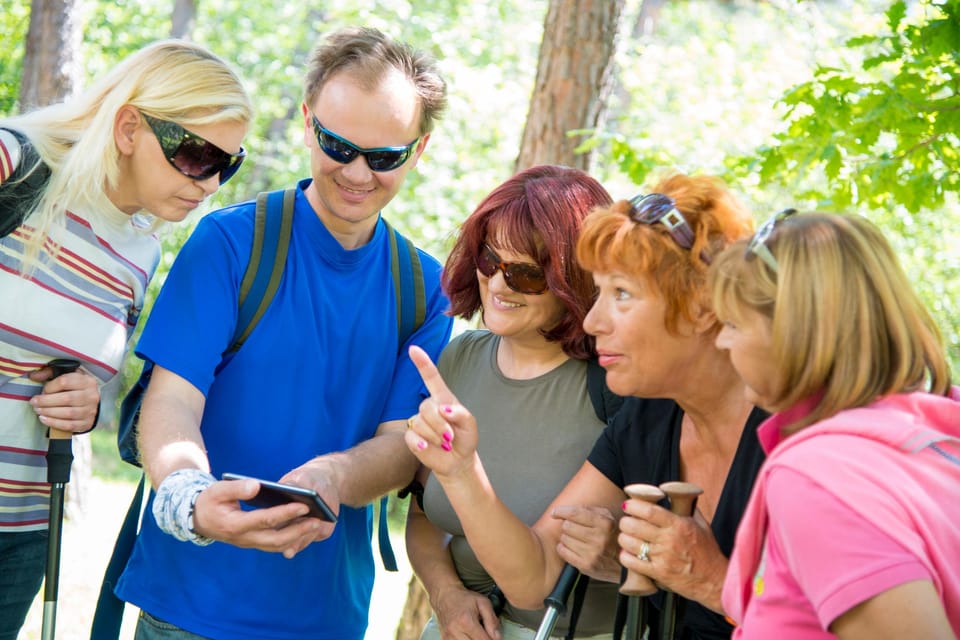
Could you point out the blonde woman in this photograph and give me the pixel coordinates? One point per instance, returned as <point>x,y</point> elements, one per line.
<point>853,527</point>
<point>156,135</point>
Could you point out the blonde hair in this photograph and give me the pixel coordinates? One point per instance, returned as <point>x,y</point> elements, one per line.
<point>847,326</point>
<point>171,79</point>
<point>612,241</point>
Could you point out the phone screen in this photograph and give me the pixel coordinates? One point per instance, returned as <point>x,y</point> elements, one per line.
<point>273,494</point>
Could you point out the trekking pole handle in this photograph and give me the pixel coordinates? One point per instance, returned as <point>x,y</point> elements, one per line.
<point>561,591</point>
<point>637,584</point>
<point>683,497</point>
<point>683,501</point>
<point>60,366</point>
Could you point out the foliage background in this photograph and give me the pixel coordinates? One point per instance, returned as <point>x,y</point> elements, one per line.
<point>762,93</point>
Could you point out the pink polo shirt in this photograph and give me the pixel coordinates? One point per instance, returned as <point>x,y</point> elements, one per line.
<point>845,510</point>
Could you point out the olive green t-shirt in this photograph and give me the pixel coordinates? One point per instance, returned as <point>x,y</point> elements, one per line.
<point>534,435</point>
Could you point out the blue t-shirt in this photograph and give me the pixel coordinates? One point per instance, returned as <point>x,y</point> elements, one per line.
<point>318,374</point>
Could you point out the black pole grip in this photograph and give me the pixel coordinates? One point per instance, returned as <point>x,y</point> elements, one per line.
<point>557,600</point>
<point>59,460</point>
<point>60,451</point>
<point>498,600</point>
<point>61,366</point>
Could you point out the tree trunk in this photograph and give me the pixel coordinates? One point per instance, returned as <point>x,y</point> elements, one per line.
<point>183,19</point>
<point>277,132</point>
<point>51,63</point>
<point>416,611</point>
<point>573,80</point>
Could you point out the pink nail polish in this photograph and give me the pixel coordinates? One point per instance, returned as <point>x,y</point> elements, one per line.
<point>447,436</point>
<point>624,505</point>
<point>422,445</point>
<point>446,446</point>
<point>448,409</point>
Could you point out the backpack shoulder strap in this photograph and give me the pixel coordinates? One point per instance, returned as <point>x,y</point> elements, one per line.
<point>273,223</point>
<point>408,283</point>
<point>22,181</point>
<point>407,272</point>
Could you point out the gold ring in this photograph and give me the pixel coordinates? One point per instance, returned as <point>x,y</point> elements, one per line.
<point>410,422</point>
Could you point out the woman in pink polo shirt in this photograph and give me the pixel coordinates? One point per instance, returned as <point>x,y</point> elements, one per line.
<point>853,527</point>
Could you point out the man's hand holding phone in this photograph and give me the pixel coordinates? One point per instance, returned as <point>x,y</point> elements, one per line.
<point>282,529</point>
<point>272,494</point>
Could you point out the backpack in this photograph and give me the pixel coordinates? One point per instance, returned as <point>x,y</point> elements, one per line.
<point>19,191</point>
<point>273,222</point>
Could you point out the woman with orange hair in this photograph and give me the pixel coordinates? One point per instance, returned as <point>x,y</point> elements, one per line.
<point>655,334</point>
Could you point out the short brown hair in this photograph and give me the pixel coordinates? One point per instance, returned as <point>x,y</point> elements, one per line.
<point>612,241</point>
<point>538,212</point>
<point>367,54</point>
<point>846,322</point>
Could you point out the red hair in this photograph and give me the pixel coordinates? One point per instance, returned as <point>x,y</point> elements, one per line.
<point>612,241</point>
<point>538,212</point>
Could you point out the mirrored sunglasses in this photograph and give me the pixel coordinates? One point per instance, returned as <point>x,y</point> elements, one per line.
<point>191,155</point>
<point>343,151</point>
<point>654,208</point>
<point>758,243</point>
<point>522,277</point>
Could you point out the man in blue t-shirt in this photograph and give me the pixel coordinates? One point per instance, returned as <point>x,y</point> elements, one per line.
<point>318,395</point>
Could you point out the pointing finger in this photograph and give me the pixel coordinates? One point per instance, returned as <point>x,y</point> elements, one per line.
<point>431,377</point>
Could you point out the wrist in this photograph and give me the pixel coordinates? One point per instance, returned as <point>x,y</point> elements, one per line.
<point>712,588</point>
<point>465,477</point>
<point>175,502</point>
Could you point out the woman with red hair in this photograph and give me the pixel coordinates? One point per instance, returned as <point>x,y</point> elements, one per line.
<point>524,378</point>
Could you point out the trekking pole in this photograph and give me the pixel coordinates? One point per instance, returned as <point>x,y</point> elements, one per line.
<point>59,460</point>
<point>683,501</point>
<point>556,602</point>
<point>637,585</point>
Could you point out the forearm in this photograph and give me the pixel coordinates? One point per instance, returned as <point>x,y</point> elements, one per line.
<point>169,427</point>
<point>370,469</point>
<point>429,555</point>
<point>524,566</point>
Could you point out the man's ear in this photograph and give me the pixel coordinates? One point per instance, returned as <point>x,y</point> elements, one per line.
<point>308,137</point>
<point>421,145</point>
<point>125,125</point>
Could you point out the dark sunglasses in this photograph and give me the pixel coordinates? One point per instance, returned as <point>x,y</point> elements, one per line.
<point>522,277</point>
<point>343,151</point>
<point>191,155</point>
<point>656,207</point>
<point>758,243</point>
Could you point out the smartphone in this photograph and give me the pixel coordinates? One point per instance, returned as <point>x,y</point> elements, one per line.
<point>273,494</point>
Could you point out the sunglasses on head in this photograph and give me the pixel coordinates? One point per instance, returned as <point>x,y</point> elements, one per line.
<point>656,207</point>
<point>191,155</point>
<point>758,243</point>
<point>343,151</point>
<point>522,277</point>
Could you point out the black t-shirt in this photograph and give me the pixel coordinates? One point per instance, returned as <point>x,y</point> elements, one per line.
<point>642,445</point>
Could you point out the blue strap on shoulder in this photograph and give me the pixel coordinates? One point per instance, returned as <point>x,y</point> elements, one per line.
<point>407,272</point>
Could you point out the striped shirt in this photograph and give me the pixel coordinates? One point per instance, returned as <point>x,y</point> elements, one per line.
<point>81,300</point>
